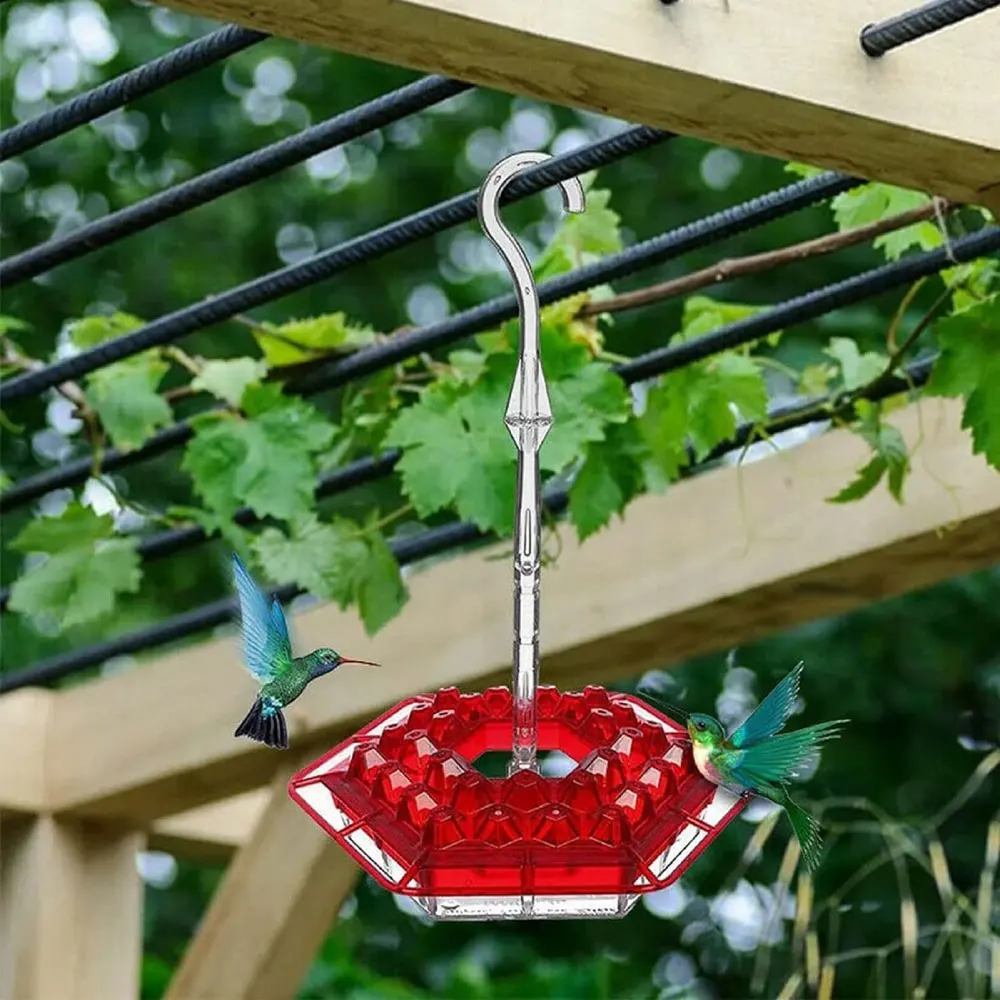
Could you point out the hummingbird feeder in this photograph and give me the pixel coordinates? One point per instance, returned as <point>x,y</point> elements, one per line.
<point>403,798</point>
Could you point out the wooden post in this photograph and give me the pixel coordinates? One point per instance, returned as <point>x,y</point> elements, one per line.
<point>70,912</point>
<point>280,896</point>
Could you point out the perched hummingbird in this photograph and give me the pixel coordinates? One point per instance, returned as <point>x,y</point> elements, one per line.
<point>268,652</point>
<point>753,759</point>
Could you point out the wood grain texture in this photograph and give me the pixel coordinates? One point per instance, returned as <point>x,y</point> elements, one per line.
<point>24,717</point>
<point>719,560</point>
<point>213,832</point>
<point>70,912</point>
<point>779,77</point>
<point>279,897</point>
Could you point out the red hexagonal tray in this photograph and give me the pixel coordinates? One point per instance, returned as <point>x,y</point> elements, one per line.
<point>402,797</point>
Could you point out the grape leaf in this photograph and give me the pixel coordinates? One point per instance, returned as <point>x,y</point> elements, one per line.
<point>868,477</point>
<point>457,452</point>
<point>125,397</point>
<point>85,568</point>
<point>873,202</point>
<point>610,476</point>
<point>969,366</point>
<point>581,237</point>
<point>380,587</point>
<point>338,561</point>
<point>320,557</point>
<point>856,369</point>
<point>267,463</point>
<point>76,525</point>
<point>10,324</point>
<point>663,428</point>
<point>305,339</point>
<point>584,406</point>
<point>890,457</point>
<point>804,170</point>
<point>93,330</point>
<point>704,315</point>
<point>228,380</point>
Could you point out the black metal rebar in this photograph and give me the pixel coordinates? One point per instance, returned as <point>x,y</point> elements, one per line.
<point>668,246</point>
<point>116,93</point>
<point>879,38</point>
<point>409,549</point>
<point>223,180</point>
<point>295,277</point>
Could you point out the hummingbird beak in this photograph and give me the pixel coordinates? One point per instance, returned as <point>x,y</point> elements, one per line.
<point>672,710</point>
<point>364,663</point>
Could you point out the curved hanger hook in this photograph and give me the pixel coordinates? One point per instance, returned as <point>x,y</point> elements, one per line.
<point>509,249</point>
<point>528,418</point>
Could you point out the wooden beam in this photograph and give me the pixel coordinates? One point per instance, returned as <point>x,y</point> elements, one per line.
<point>719,560</point>
<point>24,719</point>
<point>269,916</point>
<point>213,832</point>
<point>70,912</point>
<point>779,77</point>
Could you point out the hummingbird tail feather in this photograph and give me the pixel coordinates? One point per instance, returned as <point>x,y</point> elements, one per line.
<point>807,830</point>
<point>265,724</point>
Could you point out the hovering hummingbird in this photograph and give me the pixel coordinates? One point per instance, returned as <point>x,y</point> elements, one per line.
<point>268,652</point>
<point>753,759</point>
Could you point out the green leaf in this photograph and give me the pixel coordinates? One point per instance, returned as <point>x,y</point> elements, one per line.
<point>584,406</point>
<point>609,478</point>
<point>11,324</point>
<point>856,369</point>
<point>804,170</point>
<point>85,568</point>
<point>890,457</point>
<point>380,587</point>
<point>663,427</point>
<point>873,202</point>
<point>228,380</point>
<point>76,525</point>
<point>93,330</point>
<point>125,397</point>
<point>582,237</point>
<point>306,339</point>
<point>322,558</point>
<point>969,366</point>
<point>338,561</point>
<point>458,453</point>
<point>267,463</point>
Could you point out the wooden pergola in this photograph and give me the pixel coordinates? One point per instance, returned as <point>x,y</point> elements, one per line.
<point>92,774</point>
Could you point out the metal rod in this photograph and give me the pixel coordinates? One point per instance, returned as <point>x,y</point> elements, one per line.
<point>879,38</point>
<point>528,418</point>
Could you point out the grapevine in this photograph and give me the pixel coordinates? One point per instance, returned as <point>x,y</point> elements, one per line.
<point>256,446</point>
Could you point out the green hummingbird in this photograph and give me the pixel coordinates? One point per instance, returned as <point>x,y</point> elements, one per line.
<point>268,652</point>
<point>754,760</point>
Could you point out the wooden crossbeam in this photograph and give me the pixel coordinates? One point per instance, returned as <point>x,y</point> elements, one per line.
<point>24,717</point>
<point>719,560</point>
<point>781,77</point>
<point>213,832</point>
<point>70,912</point>
<point>269,916</point>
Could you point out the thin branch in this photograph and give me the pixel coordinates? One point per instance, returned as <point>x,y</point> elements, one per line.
<point>726,270</point>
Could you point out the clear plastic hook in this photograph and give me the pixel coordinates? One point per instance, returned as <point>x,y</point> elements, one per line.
<point>528,418</point>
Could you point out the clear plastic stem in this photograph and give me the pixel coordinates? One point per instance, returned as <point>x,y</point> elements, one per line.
<point>528,418</point>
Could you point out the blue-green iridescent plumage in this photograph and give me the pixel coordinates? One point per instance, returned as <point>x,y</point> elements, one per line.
<point>757,757</point>
<point>268,652</point>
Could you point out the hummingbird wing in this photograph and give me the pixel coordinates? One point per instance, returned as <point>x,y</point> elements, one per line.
<point>777,759</point>
<point>266,645</point>
<point>771,715</point>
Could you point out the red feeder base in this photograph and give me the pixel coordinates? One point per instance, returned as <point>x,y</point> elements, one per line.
<point>402,797</point>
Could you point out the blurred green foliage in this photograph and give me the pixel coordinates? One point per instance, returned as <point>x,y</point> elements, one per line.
<point>918,676</point>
